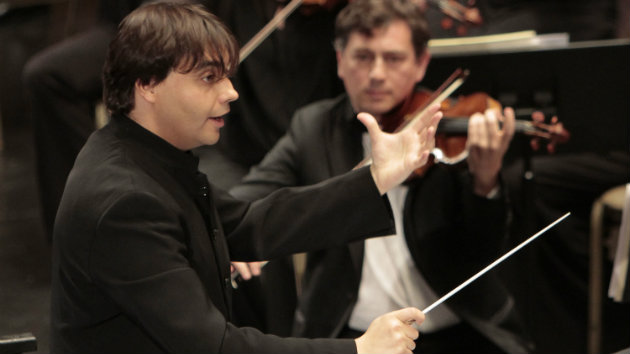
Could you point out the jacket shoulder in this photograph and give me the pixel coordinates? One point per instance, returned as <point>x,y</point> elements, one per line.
<point>319,111</point>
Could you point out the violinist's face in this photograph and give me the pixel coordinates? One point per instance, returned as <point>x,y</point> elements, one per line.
<point>380,71</point>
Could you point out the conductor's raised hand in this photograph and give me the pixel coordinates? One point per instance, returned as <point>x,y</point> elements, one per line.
<point>396,156</point>
<point>392,333</point>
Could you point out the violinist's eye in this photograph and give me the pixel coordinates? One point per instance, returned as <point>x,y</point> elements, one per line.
<point>363,57</point>
<point>394,59</point>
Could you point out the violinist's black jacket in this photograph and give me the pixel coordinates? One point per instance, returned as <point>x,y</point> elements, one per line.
<point>451,232</point>
<point>142,248</point>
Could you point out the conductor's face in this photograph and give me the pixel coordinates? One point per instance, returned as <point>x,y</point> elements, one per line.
<point>381,70</point>
<point>189,107</point>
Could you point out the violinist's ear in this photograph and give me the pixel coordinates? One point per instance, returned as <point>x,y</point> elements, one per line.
<point>422,63</point>
<point>338,55</point>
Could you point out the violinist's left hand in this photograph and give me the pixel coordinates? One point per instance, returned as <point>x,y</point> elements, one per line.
<point>487,143</point>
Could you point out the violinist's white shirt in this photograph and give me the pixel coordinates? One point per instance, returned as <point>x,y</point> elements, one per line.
<point>390,280</point>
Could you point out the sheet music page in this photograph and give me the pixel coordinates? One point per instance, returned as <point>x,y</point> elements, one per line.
<point>620,266</point>
<point>522,40</point>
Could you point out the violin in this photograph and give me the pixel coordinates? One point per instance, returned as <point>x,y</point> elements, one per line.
<point>451,134</point>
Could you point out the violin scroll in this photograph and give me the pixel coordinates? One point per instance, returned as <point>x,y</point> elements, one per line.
<point>554,132</point>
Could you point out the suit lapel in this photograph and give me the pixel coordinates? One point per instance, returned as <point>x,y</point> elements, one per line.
<point>343,140</point>
<point>344,151</point>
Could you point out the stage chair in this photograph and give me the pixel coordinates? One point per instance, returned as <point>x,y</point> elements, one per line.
<point>605,220</point>
<point>18,343</point>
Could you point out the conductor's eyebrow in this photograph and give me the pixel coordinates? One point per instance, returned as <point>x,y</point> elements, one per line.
<point>205,64</point>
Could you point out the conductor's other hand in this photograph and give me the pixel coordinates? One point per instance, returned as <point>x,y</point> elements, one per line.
<point>391,333</point>
<point>396,156</point>
<point>247,270</point>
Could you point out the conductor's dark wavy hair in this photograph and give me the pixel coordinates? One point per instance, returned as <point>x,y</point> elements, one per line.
<point>159,37</point>
<point>364,16</point>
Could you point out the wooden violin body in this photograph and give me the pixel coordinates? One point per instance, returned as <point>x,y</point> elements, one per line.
<point>452,131</point>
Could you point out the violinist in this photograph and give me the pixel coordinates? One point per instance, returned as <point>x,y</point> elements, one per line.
<point>449,222</point>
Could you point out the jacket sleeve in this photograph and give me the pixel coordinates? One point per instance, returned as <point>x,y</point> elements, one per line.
<point>444,216</point>
<point>301,219</point>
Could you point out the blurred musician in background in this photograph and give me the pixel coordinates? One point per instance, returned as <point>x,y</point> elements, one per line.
<point>381,57</point>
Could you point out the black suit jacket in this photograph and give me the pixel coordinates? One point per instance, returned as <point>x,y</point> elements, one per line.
<point>142,246</point>
<point>451,233</point>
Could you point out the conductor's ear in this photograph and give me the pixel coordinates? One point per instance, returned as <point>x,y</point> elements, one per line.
<point>146,91</point>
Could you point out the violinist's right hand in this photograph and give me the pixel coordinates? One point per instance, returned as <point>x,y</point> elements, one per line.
<point>392,332</point>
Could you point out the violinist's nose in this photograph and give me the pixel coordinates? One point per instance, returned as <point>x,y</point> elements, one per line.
<point>377,71</point>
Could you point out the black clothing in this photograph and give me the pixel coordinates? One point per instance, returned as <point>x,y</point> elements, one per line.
<point>143,243</point>
<point>442,216</point>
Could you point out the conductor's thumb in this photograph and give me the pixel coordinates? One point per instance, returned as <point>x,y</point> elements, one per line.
<point>410,315</point>
<point>370,123</point>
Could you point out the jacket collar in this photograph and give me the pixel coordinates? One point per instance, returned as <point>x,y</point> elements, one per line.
<point>182,165</point>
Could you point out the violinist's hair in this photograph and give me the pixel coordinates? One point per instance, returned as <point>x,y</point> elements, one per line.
<point>159,37</point>
<point>364,16</point>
